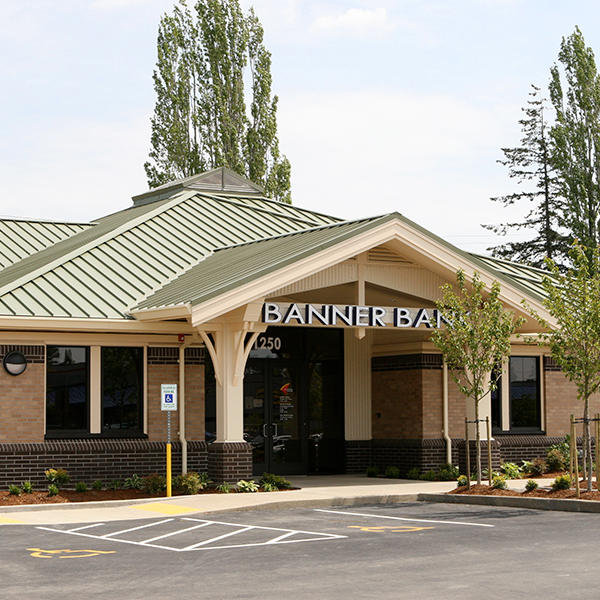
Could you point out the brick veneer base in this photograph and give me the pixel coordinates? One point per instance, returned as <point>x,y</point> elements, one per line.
<point>431,453</point>
<point>229,461</point>
<point>89,460</point>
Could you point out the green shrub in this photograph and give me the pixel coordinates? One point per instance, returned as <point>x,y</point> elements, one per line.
<point>448,472</point>
<point>499,482</point>
<point>97,485</point>
<point>281,483</point>
<point>189,483</point>
<point>392,472</point>
<point>526,466</point>
<point>555,460</point>
<point>57,476</point>
<point>372,471</point>
<point>562,482</point>
<point>224,488</point>
<point>116,484</point>
<point>269,487</point>
<point>531,485</point>
<point>247,486</point>
<point>53,489</point>
<point>204,479</point>
<point>154,484</point>
<point>413,473</point>
<point>429,476</point>
<point>81,486</point>
<point>27,487</point>
<point>511,470</point>
<point>564,449</point>
<point>538,467</point>
<point>462,481</point>
<point>14,490</point>
<point>135,482</point>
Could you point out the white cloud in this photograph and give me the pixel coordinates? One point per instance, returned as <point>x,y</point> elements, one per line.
<point>354,21</point>
<point>110,4</point>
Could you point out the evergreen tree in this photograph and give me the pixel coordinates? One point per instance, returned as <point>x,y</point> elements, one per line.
<point>201,120</point>
<point>531,166</point>
<point>575,96</point>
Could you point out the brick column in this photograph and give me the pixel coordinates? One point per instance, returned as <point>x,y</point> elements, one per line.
<point>229,461</point>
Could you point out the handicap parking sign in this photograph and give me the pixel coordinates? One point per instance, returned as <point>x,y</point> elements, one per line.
<point>168,396</point>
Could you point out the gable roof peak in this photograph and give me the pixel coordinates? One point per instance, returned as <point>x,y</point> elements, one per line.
<point>221,180</point>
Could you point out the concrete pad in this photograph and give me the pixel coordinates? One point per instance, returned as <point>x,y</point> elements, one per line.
<point>315,492</point>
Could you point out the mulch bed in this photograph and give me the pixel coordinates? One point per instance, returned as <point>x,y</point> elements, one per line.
<point>486,490</point>
<point>67,496</point>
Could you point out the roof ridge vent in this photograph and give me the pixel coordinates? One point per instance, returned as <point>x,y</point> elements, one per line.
<point>222,180</point>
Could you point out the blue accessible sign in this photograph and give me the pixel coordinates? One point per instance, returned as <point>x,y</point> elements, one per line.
<point>168,396</point>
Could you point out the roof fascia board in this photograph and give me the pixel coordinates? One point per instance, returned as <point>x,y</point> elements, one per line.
<point>395,229</point>
<point>92,325</point>
<point>93,243</point>
<point>453,261</point>
<point>160,314</point>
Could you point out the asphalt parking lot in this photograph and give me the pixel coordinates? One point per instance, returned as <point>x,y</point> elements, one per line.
<point>411,550</point>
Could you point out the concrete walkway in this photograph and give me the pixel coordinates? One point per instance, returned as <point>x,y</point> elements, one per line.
<point>315,492</point>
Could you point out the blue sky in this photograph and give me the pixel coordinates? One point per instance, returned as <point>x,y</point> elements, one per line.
<point>384,105</point>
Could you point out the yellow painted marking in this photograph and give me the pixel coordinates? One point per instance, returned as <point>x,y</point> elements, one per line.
<point>389,528</point>
<point>7,520</point>
<point>165,508</point>
<point>40,553</point>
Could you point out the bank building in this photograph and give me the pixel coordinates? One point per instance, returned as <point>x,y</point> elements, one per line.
<point>299,342</point>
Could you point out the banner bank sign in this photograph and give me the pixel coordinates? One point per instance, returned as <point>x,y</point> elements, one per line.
<point>350,315</point>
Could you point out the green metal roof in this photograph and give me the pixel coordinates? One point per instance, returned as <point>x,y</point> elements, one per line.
<point>231,267</point>
<point>185,242</point>
<point>20,238</point>
<point>102,271</point>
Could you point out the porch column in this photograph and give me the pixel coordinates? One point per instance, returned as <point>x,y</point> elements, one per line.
<point>357,401</point>
<point>230,457</point>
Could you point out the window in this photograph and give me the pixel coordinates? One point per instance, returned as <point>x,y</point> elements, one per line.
<point>94,391</point>
<point>122,389</point>
<point>496,400</point>
<point>524,377</point>
<point>67,388</point>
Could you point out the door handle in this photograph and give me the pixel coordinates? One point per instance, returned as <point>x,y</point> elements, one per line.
<point>275,430</point>
<point>264,430</point>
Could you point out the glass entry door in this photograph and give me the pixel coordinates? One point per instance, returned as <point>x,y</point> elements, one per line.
<point>273,416</point>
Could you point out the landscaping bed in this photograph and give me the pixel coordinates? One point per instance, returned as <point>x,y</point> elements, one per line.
<point>486,490</point>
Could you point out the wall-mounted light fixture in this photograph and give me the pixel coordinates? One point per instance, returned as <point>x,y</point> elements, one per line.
<point>14,363</point>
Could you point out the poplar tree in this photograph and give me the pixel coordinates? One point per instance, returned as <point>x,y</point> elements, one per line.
<point>204,117</point>
<point>573,299</point>
<point>475,340</point>
<point>575,96</point>
<point>530,165</point>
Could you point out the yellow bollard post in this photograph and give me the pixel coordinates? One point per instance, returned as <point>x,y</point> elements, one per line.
<point>169,470</point>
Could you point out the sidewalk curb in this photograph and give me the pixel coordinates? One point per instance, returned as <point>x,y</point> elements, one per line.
<point>568,505</point>
<point>275,504</point>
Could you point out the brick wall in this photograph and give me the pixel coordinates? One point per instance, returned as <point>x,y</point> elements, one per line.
<point>22,404</point>
<point>88,460</point>
<point>163,367</point>
<point>229,461</point>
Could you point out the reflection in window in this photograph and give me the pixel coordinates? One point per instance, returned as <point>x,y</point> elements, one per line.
<point>67,388</point>
<point>524,392</point>
<point>496,400</point>
<point>122,388</point>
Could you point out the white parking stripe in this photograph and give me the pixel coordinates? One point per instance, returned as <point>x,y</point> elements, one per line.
<point>220,537</point>
<point>281,537</point>
<point>353,514</point>
<point>85,527</point>
<point>160,537</point>
<point>136,528</point>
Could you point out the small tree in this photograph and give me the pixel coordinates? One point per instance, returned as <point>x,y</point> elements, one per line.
<point>573,300</point>
<point>475,340</point>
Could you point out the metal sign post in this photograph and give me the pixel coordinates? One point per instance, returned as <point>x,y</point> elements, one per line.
<point>168,403</point>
